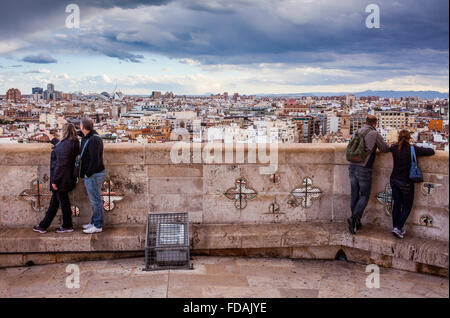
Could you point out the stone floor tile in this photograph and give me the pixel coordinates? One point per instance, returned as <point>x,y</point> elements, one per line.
<point>187,280</point>
<point>298,293</point>
<point>272,262</point>
<point>159,291</point>
<point>124,285</point>
<point>241,292</point>
<point>283,281</point>
<point>184,292</point>
<point>214,259</point>
<point>3,285</point>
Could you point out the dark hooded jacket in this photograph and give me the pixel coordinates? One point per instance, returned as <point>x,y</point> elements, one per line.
<point>62,163</point>
<point>92,160</point>
<point>402,161</point>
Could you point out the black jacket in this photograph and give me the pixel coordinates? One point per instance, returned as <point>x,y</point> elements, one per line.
<point>92,160</point>
<point>402,161</point>
<point>62,163</point>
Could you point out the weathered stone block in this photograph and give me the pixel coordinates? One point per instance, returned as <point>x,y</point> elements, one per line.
<point>123,154</point>
<point>162,171</point>
<point>175,185</point>
<point>310,154</point>
<point>163,203</point>
<point>315,252</point>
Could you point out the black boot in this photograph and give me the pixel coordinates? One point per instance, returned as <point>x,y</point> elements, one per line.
<point>358,224</point>
<point>351,225</point>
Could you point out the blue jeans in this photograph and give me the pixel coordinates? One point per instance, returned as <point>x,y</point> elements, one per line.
<point>93,186</point>
<point>361,184</point>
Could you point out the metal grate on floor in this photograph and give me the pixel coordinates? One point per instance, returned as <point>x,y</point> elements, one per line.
<point>167,241</point>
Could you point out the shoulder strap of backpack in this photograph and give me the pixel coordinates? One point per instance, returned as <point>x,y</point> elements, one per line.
<point>367,131</point>
<point>84,146</point>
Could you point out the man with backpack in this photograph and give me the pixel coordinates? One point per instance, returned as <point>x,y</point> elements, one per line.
<point>361,152</point>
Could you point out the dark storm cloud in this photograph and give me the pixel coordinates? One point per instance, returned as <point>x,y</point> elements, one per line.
<point>126,4</point>
<point>244,32</point>
<point>25,16</point>
<point>125,56</point>
<point>41,58</point>
<point>239,32</point>
<point>405,24</point>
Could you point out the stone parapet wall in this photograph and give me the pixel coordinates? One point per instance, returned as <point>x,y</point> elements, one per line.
<point>146,180</point>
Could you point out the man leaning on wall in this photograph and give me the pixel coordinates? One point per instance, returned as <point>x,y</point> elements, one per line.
<point>360,173</point>
<point>93,172</point>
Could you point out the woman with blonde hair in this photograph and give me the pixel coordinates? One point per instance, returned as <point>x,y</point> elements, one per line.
<point>62,179</point>
<point>401,185</point>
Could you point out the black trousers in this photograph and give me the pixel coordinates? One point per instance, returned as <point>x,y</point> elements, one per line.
<point>58,199</point>
<point>403,198</point>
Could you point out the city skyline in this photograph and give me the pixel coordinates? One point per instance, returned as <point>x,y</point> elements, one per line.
<point>250,47</point>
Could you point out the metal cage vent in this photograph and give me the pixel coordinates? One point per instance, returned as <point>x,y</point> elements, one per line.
<point>167,241</point>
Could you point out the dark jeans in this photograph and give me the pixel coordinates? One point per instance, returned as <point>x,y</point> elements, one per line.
<point>58,198</point>
<point>361,184</point>
<point>403,198</point>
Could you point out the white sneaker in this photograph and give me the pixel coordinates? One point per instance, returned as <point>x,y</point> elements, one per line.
<point>92,230</point>
<point>86,226</point>
<point>397,233</point>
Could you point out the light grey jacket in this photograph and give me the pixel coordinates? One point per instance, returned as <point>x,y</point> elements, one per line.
<point>371,140</point>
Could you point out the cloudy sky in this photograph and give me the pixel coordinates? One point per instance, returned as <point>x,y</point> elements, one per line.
<point>212,46</point>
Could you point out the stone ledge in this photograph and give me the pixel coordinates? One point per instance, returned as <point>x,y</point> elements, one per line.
<point>30,259</point>
<point>372,240</point>
<point>133,153</point>
<point>24,240</point>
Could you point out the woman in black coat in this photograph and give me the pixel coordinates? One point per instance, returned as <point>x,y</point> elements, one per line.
<point>402,187</point>
<point>62,179</point>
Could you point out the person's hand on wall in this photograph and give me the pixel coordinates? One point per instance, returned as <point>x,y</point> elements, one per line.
<point>48,134</point>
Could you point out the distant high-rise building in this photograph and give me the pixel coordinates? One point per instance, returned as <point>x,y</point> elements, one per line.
<point>115,111</point>
<point>37,90</point>
<point>307,126</point>
<point>392,119</point>
<point>292,106</point>
<point>321,124</point>
<point>156,94</point>
<point>350,100</point>
<point>356,123</point>
<point>51,94</point>
<point>13,94</point>
<point>344,125</point>
<point>123,110</point>
<point>333,124</point>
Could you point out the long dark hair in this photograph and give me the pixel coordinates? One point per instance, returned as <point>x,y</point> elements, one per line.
<point>403,138</point>
<point>69,132</point>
